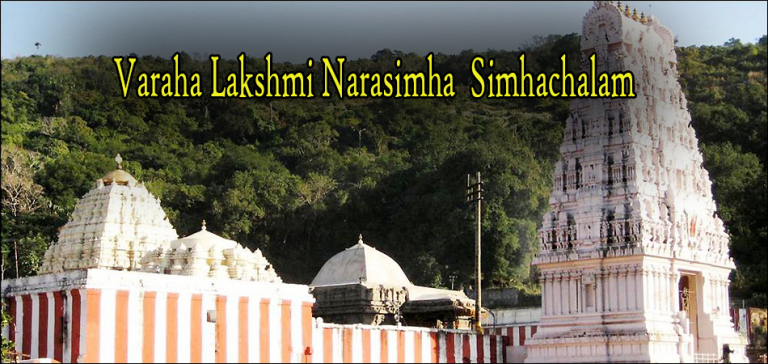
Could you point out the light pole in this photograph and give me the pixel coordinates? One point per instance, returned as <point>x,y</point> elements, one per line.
<point>475,194</point>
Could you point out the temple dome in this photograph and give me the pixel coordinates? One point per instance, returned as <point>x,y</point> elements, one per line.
<point>205,254</point>
<point>119,176</point>
<point>361,262</point>
<point>204,240</point>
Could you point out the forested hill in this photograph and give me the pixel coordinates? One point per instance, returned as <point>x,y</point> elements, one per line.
<point>301,178</point>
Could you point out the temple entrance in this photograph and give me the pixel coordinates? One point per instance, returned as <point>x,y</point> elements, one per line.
<point>689,304</point>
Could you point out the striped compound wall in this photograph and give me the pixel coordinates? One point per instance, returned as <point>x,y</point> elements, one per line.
<point>517,334</point>
<point>390,344</point>
<point>157,318</point>
<point>81,316</point>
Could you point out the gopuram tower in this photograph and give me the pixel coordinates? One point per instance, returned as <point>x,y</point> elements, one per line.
<point>634,260</point>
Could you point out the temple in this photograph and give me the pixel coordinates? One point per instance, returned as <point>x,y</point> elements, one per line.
<point>633,258</point>
<point>362,285</point>
<point>119,285</point>
<point>120,225</point>
<point>112,227</point>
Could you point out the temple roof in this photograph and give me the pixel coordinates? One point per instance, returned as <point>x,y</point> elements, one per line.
<point>205,254</point>
<point>361,262</point>
<point>204,240</point>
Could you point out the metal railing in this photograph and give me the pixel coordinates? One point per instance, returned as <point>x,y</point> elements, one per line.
<point>706,358</point>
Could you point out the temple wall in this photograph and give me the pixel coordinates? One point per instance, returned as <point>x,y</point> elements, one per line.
<point>516,336</point>
<point>117,316</point>
<point>112,316</point>
<point>392,344</point>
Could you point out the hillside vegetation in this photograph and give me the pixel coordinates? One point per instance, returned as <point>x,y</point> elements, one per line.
<point>301,178</point>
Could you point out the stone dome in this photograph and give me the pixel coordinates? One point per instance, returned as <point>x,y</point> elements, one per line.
<point>203,240</point>
<point>361,262</point>
<point>119,176</point>
<point>205,254</point>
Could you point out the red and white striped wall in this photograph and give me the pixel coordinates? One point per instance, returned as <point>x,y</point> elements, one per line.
<point>390,344</point>
<point>110,316</point>
<point>59,313</point>
<point>149,322</point>
<point>517,334</point>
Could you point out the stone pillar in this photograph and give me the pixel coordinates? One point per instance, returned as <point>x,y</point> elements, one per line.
<point>557,303</point>
<point>707,293</point>
<point>565,298</point>
<point>551,292</point>
<point>664,285</point>
<point>642,288</point>
<point>659,289</point>
<point>726,296</point>
<point>632,288</point>
<point>662,291</point>
<point>572,289</point>
<point>672,291</point>
<point>613,290</point>
<point>546,292</point>
<point>622,283</point>
<point>599,290</point>
<point>650,295</point>
<point>583,289</point>
<point>715,279</point>
<point>675,291</point>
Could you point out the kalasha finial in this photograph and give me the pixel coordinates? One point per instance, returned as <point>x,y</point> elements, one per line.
<point>626,10</point>
<point>119,161</point>
<point>203,227</point>
<point>643,19</point>
<point>360,239</point>
<point>618,4</point>
<point>634,14</point>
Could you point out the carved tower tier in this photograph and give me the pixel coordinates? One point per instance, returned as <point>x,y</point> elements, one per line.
<point>634,260</point>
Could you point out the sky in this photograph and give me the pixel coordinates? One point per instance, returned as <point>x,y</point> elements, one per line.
<point>294,31</point>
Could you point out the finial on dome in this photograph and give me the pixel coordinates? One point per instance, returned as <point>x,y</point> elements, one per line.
<point>119,176</point>
<point>203,227</point>
<point>643,19</point>
<point>634,14</point>
<point>618,4</point>
<point>626,10</point>
<point>360,239</point>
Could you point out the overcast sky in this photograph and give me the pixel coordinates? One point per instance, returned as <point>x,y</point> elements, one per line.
<point>294,31</point>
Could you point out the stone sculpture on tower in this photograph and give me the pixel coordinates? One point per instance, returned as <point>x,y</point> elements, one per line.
<point>634,260</point>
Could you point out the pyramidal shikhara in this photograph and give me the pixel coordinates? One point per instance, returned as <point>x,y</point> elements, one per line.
<point>634,259</point>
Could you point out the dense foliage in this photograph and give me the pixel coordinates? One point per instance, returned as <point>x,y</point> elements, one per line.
<point>301,178</point>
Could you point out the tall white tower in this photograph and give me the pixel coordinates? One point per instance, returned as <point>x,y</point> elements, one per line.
<point>634,259</point>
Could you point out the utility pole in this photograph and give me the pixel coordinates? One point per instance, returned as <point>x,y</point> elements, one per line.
<point>16,257</point>
<point>475,194</point>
